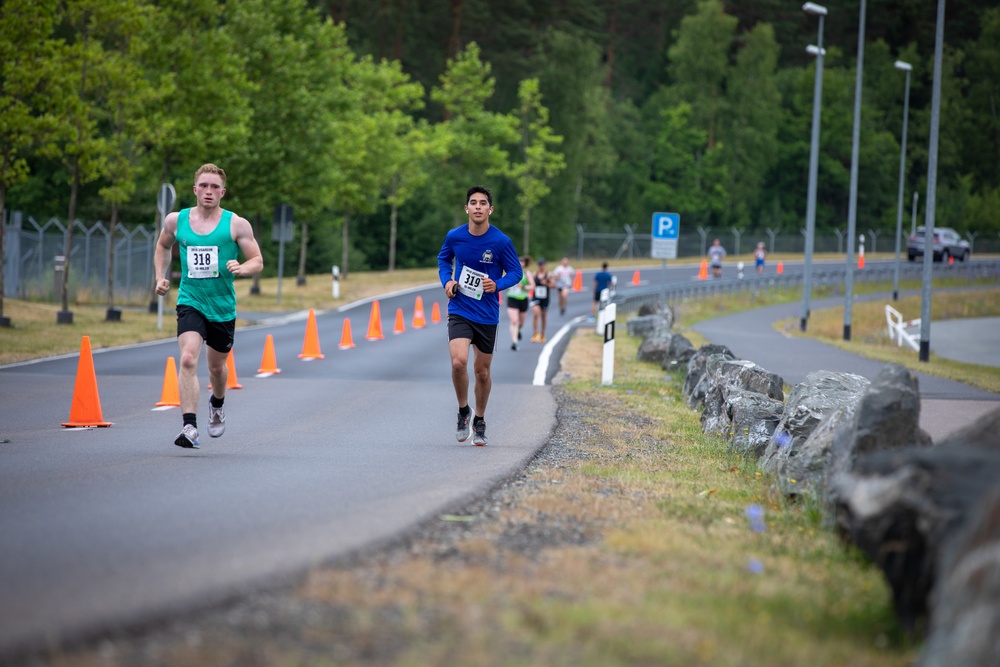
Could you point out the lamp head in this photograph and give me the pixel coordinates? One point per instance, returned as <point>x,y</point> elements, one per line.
<point>814,9</point>
<point>900,65</point>
<point>813,50</point>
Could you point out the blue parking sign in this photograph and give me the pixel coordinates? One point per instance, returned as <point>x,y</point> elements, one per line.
<point>666,231</point>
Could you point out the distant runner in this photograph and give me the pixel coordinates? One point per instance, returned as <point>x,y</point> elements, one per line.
<point>544,283</point>
<point>518,300</point>
<point>715,256</point>
<point>602,281</point>
<point>564,275</point>
<point>758,256</point>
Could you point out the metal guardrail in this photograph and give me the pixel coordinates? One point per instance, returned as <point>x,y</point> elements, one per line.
<point>631,299</point>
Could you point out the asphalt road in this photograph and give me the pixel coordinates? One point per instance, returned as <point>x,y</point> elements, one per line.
<point>113,527</point>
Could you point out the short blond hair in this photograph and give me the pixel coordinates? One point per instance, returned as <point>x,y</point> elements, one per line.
<point>210,168</point>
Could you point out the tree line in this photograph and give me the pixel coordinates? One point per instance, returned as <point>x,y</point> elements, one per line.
<point>372,119</point>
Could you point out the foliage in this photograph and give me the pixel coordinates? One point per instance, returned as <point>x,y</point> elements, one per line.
<point>540,163</point>
<point>377,116</point>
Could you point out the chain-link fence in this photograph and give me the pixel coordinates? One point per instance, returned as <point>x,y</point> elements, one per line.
<point>34,253</point>
<point>635,242</point>
<point>34,258</point>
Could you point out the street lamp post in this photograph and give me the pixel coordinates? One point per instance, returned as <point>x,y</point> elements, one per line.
<point>820,11</point>
<point>852,211</point>
<point>930,202</point>
<point>906,67</point>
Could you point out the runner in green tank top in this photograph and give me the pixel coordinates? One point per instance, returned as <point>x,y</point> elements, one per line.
<point>210,240</point>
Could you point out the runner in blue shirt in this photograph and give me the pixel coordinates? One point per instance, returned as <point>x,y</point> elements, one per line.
<point>602,281</point>
<point>477,261</point>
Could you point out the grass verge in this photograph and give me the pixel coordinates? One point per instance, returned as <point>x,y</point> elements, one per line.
<point>632,540</point>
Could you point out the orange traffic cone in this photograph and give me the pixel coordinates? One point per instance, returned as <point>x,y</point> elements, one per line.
<point>399,327</point>
<point>435,313</point>
<point>171,396</point>
<point>781,267</point>
<point>310,345</point>
<point>635,277</point>
<point>578,282</point>
<point>375,323</point>
<point>231,381</point>
<point>951,260</point>
<point>703,271</point>
<point>268,362</point>
<point>418,314</point>
<point>86,407</point>
<point>346,340</point>
<point>861,259</point>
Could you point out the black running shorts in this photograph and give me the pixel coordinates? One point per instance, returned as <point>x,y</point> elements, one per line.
<point>483,336</point>
<point>520,304</point>
<point>218,335</point>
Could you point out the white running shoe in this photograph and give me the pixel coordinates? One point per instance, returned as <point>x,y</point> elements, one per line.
<point>216,421</point>
<point>479,426</point>
<point>463,431</point>
<point>188,437</point>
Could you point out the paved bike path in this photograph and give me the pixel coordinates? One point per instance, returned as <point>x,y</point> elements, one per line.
<point>945,404</point>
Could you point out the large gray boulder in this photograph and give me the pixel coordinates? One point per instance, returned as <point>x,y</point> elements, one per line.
<point>642,326</point>
<point>655,344</point>
<point>694,382</point>
<point>722,375</point>
<point>807,468</point>
<point>679,353</point>
<point>900,507</point>
<point>752,419</point>
<point>810,402</point>
<point>965,603</point>
<point>888,416</point>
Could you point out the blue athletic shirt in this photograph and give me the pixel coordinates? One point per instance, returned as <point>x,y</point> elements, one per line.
<point>493,254</point>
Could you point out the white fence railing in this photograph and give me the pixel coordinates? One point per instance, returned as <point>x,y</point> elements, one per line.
<point>898,328</point>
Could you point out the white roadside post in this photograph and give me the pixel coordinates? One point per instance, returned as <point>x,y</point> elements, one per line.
<point>601,305</point>
<point>608,367</point>
<point>336,281</point>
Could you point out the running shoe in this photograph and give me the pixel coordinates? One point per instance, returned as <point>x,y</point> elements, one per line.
<point>188,437</point>
<point>479,425</point>
<point>463,431</point>
<point>513,346</point>
<point>216,421</point>
<point>541,338</point>
<point>534,339</point>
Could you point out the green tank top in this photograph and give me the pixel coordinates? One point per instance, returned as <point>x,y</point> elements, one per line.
<point>518,291</point>
<point>206,285</point>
